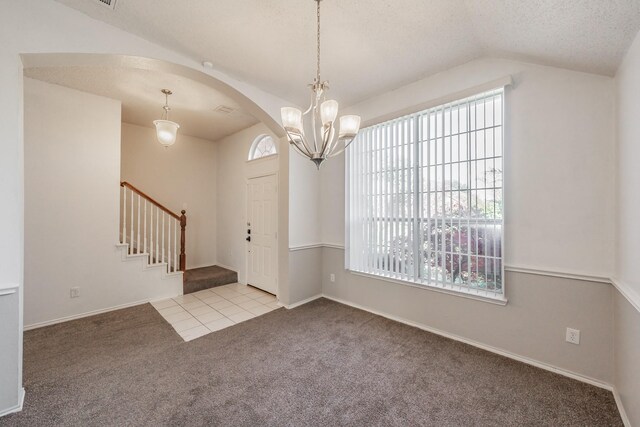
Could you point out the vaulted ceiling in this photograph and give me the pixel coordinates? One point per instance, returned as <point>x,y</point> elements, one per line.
<point>371,46</point>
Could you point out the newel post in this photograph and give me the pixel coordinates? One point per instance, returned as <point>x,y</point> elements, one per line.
<point>183,256</point>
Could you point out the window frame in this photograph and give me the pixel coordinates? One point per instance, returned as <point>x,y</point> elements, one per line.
<point>254,145</point>
<point>417,113</point>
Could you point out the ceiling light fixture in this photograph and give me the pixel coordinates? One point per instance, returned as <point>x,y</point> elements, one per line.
<point>166,130</point>
<point>323,115</point>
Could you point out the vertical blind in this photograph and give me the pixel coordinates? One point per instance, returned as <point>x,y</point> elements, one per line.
<point>425,197</point>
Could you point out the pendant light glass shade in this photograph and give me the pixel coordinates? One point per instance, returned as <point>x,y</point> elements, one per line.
<point>349,126</point>
<point>166,132</point>
<point>329,111</point>
<point>291,118</point>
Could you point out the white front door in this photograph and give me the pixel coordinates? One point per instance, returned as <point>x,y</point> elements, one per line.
<point>262,227</point>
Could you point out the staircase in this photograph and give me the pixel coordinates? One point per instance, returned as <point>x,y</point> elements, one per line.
<point>198,279</point>
<point>152,232</point>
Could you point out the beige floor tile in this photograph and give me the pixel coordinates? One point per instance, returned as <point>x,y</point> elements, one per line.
<point>238,300</point>
<point>164,303</point>
<point>230,294</point>
<point>171,310</point>
<point>202,295</point>
<point>221,304</point>
<point>241,317</point>
<point>185,298</point>
<point>193,333</point>
<point>193,304</point>
<point>266,299</point>
<point>183,325</point>
<point>273,304</point>
<point>249,304</point>
<point>262,309</point>
<point>243,289</point>
<point>232,309</point>
<point>256,294</point>
<point>199,311</point>
<point>177,317</point>
<point>216,325</point>
<point>213,298</point>
<point>210,317</point>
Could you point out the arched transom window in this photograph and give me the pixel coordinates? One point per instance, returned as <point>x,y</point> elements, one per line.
<point>263,146</point>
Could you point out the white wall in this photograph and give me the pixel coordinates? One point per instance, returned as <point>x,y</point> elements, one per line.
<point>559,197</point>
<point>305,224</point>
<point>183,174</point>
<point>35,26</point>
<point>559,162</point>
<point>72,175</point>
<point>627,347</point>
<point>233,172</point>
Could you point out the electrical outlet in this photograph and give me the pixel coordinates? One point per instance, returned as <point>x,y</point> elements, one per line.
<point>75,292</point>
<point>573,336</point>
<point>332,277</point>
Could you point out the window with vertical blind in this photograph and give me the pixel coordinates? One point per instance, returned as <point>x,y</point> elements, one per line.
<point>425,197</point>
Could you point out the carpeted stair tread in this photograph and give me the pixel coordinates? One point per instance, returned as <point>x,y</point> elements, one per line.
<point>198,279</point>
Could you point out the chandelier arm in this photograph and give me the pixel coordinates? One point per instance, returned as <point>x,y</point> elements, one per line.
<point>298,141</point>
<point>299,151</point>
<point>328,135</point>
<point>311,103</point>
<point>315,129</point>
<point>333,144</point>
<point>346,145</point>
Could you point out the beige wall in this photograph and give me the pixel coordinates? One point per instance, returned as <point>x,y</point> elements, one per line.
<point>72,171</point>
<point>184,174</point>
<point>233,170</point>
<point>627,300</point>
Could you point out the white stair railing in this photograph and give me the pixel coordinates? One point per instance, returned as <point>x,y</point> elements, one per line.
<point>146,223</point>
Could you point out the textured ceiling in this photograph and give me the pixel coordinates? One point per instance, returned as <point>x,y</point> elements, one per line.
<point>371,46</point>
<point>192,104</point>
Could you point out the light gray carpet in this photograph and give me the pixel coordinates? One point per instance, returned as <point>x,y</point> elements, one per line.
<point>320,364</point>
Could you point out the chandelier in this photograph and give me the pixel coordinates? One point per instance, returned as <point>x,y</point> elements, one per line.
<point>323,115</point>
<point>166,130</point>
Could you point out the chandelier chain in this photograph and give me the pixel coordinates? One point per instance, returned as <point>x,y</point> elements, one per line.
<point>318,41</point>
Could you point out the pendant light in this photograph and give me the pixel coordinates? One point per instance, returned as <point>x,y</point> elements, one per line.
<point>166,130</point>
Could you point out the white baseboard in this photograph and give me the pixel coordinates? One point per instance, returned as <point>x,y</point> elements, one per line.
<point>16,408</point>
<point>89,313</point>
<point>489,348</point>
<point>623,413</point>
<point>299,303</point>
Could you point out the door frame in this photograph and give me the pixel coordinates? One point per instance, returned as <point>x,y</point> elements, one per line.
<point>276,175</point>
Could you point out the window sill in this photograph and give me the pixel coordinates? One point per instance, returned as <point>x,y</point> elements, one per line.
<point>469,294</point>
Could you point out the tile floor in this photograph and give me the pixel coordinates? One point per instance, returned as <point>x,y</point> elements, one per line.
<point>197,314</point>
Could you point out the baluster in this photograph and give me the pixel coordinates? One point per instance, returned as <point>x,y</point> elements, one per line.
<point>138,234</point>
<point>183,256</point>
<point>131,227</point>
<point>169,247</point>
<point>123,239</point>
<point>157,234</point>
<point>175,245</point>
<point>163,215</point>
<point>145,226</point>
<point>151,236</point>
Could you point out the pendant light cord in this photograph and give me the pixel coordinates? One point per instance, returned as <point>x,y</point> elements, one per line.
<point>318,41</point>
